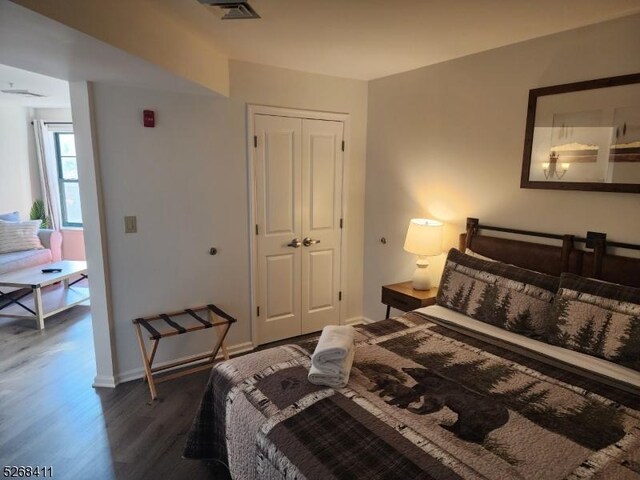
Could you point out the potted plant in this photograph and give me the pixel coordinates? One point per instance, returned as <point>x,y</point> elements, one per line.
<point>38,212</point>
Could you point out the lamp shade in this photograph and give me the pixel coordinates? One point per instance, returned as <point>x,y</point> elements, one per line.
<point>424,237</point>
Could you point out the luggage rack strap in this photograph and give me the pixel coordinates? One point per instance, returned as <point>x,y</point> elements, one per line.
<point>176,327</point>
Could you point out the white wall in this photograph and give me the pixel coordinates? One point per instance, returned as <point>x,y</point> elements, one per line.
<point>73,244</point>
<point>189,194</point>
<point>186,181</point>
<point>446,141</point>
<point>15,174</point>
<point>52,114</point>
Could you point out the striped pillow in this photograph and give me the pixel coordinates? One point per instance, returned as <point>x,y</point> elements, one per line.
<point>19,236</point>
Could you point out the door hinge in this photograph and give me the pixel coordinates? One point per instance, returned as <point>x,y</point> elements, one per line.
<point>257,230</point>
<point>343,145</point>
<point>255,141</point>
<point>341,223</point>
<point>258,311</point>
<point>340,296</point>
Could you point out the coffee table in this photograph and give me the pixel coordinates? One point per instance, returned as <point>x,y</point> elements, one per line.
<point>45,303</point>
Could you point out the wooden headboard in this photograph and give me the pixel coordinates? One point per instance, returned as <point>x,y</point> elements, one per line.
<point>593,261</point>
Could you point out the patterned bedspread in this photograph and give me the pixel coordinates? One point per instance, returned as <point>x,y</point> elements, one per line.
<point>423,402</point>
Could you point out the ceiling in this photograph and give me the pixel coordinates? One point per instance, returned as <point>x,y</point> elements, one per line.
<point>367,39</point>
<point>56,92</point>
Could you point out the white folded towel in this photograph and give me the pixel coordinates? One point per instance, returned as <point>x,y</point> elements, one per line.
<point>331,379</point>
<point>333,346</point>
<point>332,359</point>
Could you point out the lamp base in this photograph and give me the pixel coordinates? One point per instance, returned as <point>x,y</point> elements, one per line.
<point>421,280</point>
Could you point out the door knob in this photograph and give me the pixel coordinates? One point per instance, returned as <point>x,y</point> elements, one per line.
<point>307,242</point>
<point>295,243</point>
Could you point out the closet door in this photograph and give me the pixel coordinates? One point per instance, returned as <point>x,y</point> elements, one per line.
<point>298,185</point>
<point>321,212</point>
<point>278,176</point>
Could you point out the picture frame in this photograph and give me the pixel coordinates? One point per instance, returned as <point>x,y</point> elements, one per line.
<point>584,136</point>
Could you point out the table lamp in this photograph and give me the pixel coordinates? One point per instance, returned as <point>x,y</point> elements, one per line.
<point>424,238</point>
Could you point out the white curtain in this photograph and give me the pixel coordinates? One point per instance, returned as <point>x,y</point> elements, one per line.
<point>45,149</point>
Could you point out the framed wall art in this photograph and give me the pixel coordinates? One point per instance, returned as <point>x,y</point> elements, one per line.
<point>584,136</point>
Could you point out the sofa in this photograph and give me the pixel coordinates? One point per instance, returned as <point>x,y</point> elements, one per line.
<point>52,252</point>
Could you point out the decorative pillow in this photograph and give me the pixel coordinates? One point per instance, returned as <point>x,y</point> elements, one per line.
<point>497,293</point>
<point>597,318</point>
<point>19,236</point>
<point>473,254</point>
<point>10,217</point>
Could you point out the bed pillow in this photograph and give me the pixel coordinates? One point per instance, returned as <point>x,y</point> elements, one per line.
<point>10,217</point>
<point>597,318</point>
<point>497,293</point>
<point>19,236</point>
<point>473,254</point>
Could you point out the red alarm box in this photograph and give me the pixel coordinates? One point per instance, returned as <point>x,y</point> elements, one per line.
<point>149,118</point>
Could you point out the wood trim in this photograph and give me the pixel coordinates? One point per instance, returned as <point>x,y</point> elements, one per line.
<point>472,229</point>
<point>599,245</point>
<point>585,239</point>
<point>145,362</point>
<point>295,113</point>
<point>218,326</point>
<point>567,248</point>
<point>577,261</point>
<point>605,82</point>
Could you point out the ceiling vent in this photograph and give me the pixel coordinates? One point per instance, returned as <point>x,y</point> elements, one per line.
<point>22,93</point>
<point>233,9</point>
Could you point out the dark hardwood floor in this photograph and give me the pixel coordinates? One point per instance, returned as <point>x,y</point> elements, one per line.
<point>51,416</point>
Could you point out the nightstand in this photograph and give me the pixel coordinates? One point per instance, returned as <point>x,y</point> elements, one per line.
<point>403,297</point>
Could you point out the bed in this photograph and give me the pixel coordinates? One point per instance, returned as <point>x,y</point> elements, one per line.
<point>455,390</point>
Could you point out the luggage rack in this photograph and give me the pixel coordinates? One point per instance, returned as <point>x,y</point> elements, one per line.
<point>216,318</point>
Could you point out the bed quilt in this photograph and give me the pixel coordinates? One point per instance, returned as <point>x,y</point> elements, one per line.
<point>423,402</point>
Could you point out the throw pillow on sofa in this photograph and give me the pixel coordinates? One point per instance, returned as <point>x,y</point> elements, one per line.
<point>19,236</point>
<point>10,217</point>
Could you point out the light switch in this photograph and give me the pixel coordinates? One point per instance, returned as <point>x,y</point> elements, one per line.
<point>130,224</point>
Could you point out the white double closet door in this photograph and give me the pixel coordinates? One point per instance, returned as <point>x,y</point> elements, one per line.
<point>298,192</point>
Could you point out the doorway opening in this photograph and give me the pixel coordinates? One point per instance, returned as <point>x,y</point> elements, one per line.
<point>42,252</point>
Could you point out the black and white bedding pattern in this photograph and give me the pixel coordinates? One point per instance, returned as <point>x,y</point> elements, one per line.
<point>493,292</point>
<point>597,318</point>
<point>423,401</point>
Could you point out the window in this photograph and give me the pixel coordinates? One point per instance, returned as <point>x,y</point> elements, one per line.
<point>68,179</point>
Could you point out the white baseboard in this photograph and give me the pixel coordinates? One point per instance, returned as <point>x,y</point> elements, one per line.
<point>137,373</point>
<point>368,320</point>
<point>104,381</point>
<point>354,321</point>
